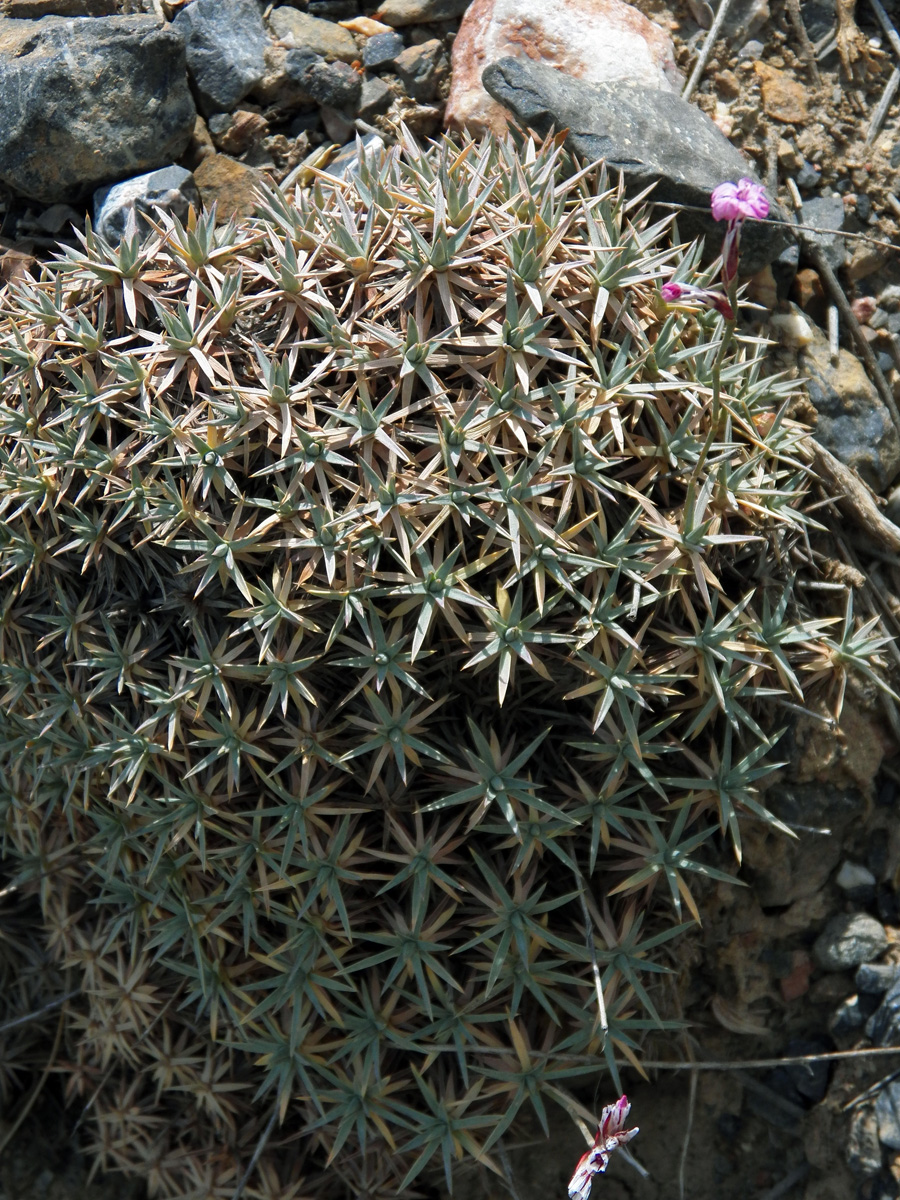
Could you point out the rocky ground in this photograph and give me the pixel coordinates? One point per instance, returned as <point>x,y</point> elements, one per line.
<point>805,960</point>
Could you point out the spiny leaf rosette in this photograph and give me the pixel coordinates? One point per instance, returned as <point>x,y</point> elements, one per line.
<point>376,587</point>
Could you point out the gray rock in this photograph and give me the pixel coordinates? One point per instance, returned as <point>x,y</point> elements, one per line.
<point>889,298</point>
<point>853,875</point>
<point>753,49</point>
<point>299,31</point>
<point>852,420</point>
<point>55,218</point>
<point>62,136</point>
<point>818,18</point>
<point>808,178</point>
<point>877,977</point>
<point>375,98</point>
<point>284,83</point>
<point>226,43</point>
<point>415,12</point>
<point>338,126</point>
<point>654,137</point>
<point>827,212</point>
<point>333,10</point>
<point>171,188</point>
<point>887,1114</point>
<point>883,1027</point>
<point>381,50</point>
<point>419,69</point>
<point>848,940</point>
<point>784,269</point>
<point>335,84</point>
<point>795,868</point>
<point>856,882</point>
<point>745,19</point>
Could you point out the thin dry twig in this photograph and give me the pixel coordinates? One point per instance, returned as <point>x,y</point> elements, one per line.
<point>870,1091</point>
<point>682,1162</point>
<point>759,1064</point>
<point>881,108</point>
<point>38,1013</point>
<point>806,46</point>
<point>709,43</point>
<point>26,1108</point>
<point>886,24</point>
<point>855,499</point>
<point>784,1185</point>
<point>260,1146</point>
<point>508,1172</point>
<point>595,969</point>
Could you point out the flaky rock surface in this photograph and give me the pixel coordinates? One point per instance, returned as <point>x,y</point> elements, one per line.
<point>61,135</point>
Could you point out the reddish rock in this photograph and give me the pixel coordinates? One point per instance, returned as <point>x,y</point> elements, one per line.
<point>594,40</point>
<point>864,308</point>
<point>796,984</point>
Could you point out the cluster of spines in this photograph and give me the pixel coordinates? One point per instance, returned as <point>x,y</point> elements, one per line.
<point>379,588</point>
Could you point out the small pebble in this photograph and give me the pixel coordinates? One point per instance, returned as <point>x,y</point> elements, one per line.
<point>751,50</point>
<point>864,308</point>
<point>727,85</point>
<point>791,329</point>
<point>895,155</point>
<point>365,26</point>
<point>807,177</point>
<point>333,10</point>
<point>338,125</point>
<point>335,85</point>
<point>381,50</point>
<point>863,206</point>
<point>877,977</point>
<point>374,99</point>
<point>848,940</point>
<point>418,68</point>
<point>889,299</point>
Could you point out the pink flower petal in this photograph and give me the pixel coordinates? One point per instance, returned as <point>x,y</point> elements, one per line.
<point>610,1136</point>
<point>737,201</point>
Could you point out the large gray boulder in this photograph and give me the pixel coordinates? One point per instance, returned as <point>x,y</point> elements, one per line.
<point>653,136</point>
<point>226,42</point>
<point>87,100</point>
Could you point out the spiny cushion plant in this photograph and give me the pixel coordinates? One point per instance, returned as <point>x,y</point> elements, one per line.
<point>382,594</point>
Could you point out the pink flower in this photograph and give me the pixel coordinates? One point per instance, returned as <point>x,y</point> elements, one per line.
<point>737,201</point>
<point>610,1136</point>
<point>688,293</point>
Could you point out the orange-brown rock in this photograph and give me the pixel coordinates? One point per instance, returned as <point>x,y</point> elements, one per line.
<point>16,260</point>
<point>228,183</point>
<point>783,98</point>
